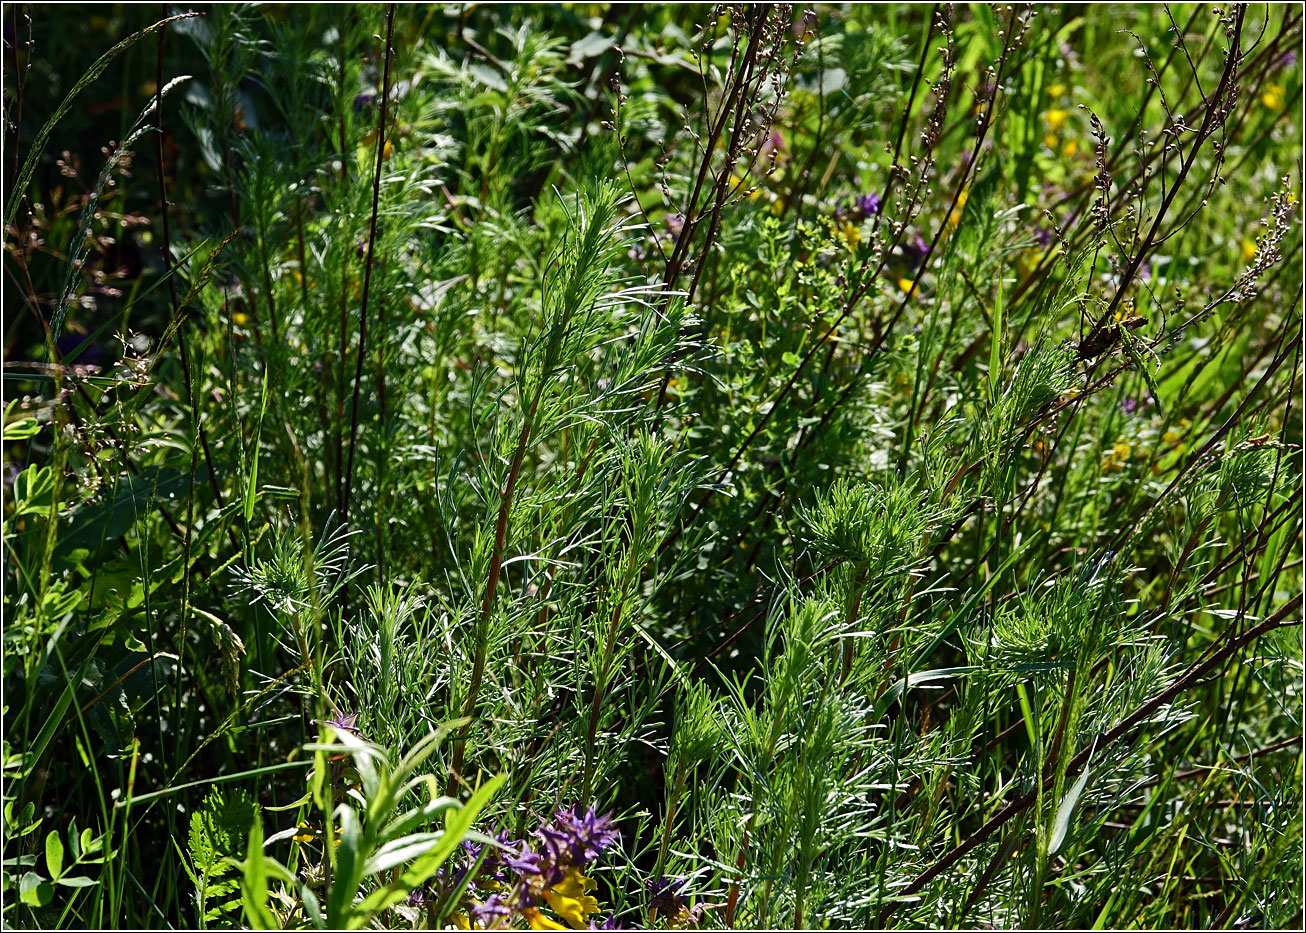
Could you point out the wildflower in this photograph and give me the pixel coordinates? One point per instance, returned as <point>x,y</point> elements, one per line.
<point>571,899</point>
<point>240,318</point>
<point>908,286</point>
<point>1056,90</point>
<point>1273,97</point>
<point>587,835</point>
<point>772,147</point>
<point>539,921</point>
<point>869,203</point>
<point>1129,405</point>
<point>1055,119</point>
<point>738,181</point>
<point>485,912</point>
<point>1115,460</point>
<point>364,102</point>
<point>305,832</point>
<point>1070,148</point>
<point>386,151</point>
<point>668,898</point>
<point>346,722</point>
<point>309,832</point>
<point>1175,433</point>
<point>666,895</point>
<point>1050,140</point>
<point>524,862</point>
<point>954,218</point>
<point>420,896</point>
<point>675,224</point>
<point>1249,250</point>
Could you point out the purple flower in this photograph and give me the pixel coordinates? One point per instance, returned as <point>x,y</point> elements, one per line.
<point>557,843</point>
<point>667,895</point>
<point>676,224</point>
<point>524,862</point>
<point>346,722</point>
<point>1129,405</point>
<point>773,144</point>
<point>609,923</point>
<point>484,913</point>
<point>916,252</point>
<point>492,866</point>
<point>869,203</point>
<point>583,837</point>
<point>364,102</point>
<point>1288,59</point>
<point>1043,236</point>
<point>420,896</point>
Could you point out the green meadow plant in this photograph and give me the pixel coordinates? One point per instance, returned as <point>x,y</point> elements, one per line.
<point>652,467</point>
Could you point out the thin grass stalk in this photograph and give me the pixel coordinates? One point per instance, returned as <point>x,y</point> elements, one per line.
<point>369,261</point>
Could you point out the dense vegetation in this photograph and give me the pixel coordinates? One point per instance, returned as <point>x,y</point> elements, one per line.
<point>652,466</point>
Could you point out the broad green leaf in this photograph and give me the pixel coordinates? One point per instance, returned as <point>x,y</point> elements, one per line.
<point>54,854</point>
<point>35,891</point>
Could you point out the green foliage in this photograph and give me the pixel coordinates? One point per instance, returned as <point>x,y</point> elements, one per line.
<point>217,831</point>
<point>833,468</point>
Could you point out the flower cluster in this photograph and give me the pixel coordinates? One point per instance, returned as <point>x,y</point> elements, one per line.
<point>1117,457</point>
<point>521,879</point>
<point>669,900</point>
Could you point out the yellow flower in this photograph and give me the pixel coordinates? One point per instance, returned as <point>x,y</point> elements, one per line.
<point>1056,90</point>
<point>1173,435</point>
<point>1273,97</point>
<point>386,151</point>
<point>1050,140</point>
<point>571,900</point>
<point>538,921</point>
<point>240,318</point>
<point>1115,460</point>
<point>954,219</point>
<point>1070,148</point>
<point>908,286</point>
<point>1055,119</point>
<point>1249,250</point>
<point>851,234</point>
